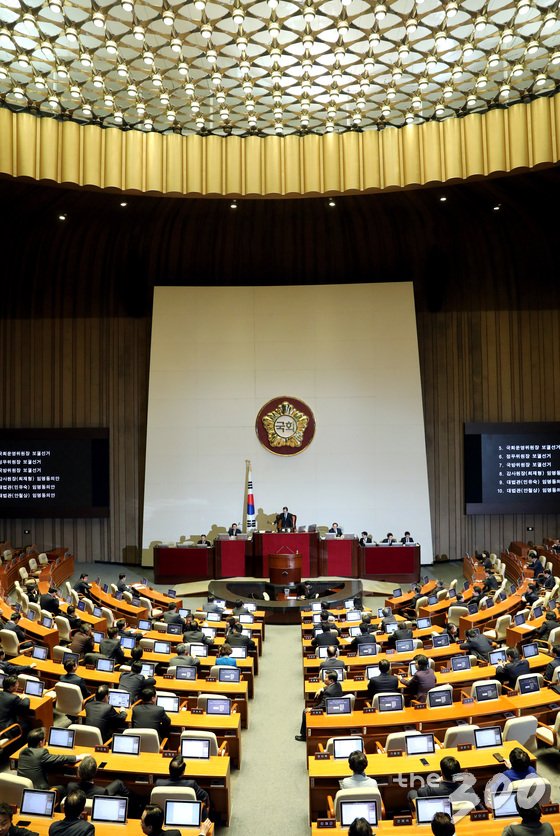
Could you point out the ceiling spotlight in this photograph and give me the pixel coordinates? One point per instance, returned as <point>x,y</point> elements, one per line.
<point>252,120</point>
<point>23,60</point>
<point>238,15</point>
<point>171,115</point>
<point>199,122</point>
<point>195,106</point>
<point>374,38</point>
<point>391,93</point>
<point>416,102</point>
<point>481,82</point>
<point>555,58</point>
<point>200,5</point>
<point>148,124</point>
<point>176,45</point>
<point>404,50</point>
<point>442,198</point>
<point>471,101</point>
<point>411,26</point>
<point>409,118</point>
<point>309,12</point>
<point>97,81</point>
<point>273,4</point>
<point>98,19</point>
<point>342,26</point>
<point>329,126</point>
<point>148,58</point>
<point>206,30</point>
<point>386,110</point>
<point>71,34</point>
<point>111,47</point>
<point>357,118</point>
<point>532,47</point>
<point>140,108</point>
<point>189,88</point>
<point>447,91</point>
<point>523,7</point>
<point>549,20</point>
<point>517,70</point>
<point>123,203</point>
<point>220,96</point>
<point>480,23</point>
<point>86,110</point>
<point>380,11</point>
<point>505,91</point>
<point>75,91</point>
<point>540,80</point>
<point>182,68</point>
<point>468,50</point>
<point>138,32</point>
<point>164,98</point>
<point>109,100</point>
<point>396,74</point>
<point>273,27</point>
<point>55,6</point>
<point>457,73</point>
<point>441,40</point>
<point>47,50</point>
<point>507,36</point>
<point>85,60</point>
<point>122,70</point>
<point>127,5</point>
<point>494,59</point>
<point>211,56</point>
<point>233,204</point>
<point>39,82</point>
<point>132,90</point>
<point>18,93</point>
<point>439,112</point>
<point>156,80</point>
<point>331,202</point>
<point>53,101</point>
<point>451,9</point>
<point>168,17</point>
<point>431,64</point>
<point>118,117</point>
<point>497,207</point>
<point>62,216</point>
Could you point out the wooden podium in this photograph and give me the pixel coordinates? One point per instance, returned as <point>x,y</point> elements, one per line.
<point>284,569</point>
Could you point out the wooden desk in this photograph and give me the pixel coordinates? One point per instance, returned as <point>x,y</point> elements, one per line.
<point>33,629</point>
<point>339,557</point>
<point>158,599</point>
<point>380,638</point>
<point>272,542</point>
<point>438,654</point>
<point>400,564</point>
<point>140,774</point>
<point>516,636</point>
<point>41,825</point>
<point>405,600</point>
<point>122,609</point>
<point>181,564</point>
<point>231,556</point>
<point>485,618</point>
<point>464,827</point>
<point>324,775</point>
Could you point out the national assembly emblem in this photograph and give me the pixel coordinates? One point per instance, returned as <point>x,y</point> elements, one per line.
<point>285,426</point>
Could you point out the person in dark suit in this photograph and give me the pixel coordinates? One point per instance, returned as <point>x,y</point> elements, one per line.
<point>546,580</point>
<point>449,768</point>
<point>387,618</point>
<point>87,770</point>
<point>122,585</point>
<point>335,529</point>
<point>83,586</point>
<point>177,778</point>
<point>82,640</point>
<point>284,520</point>
<point>326,637</point>
<point>236,638</point>
<point>536,564</point>
<point>389,539</point>
<point>333,688</point>
<point>384,682</point>
<point>531,824</point>
<point>211,605</point>
<point>72,678</point>
<point>418,686</point>
<point>553,664</point>
<point>7,827</point>
<point>148,715</point>
<point>402,632</point>
<point>12,706</point>
<point>476,595</point>
<point>13,625</point>
<point>477,643</point>
<point>50,601</point>
<point>182,658</point>
<point>35,761</point>
<point>240,609</point>
<point>233,531</point>
<point>111,648</point>
<point>490,582</point>
<point>408,538</point>
<point>102,715</point>
<point>365,538</point>
<point>442,825</point>
<point>72,824</point>
<point>171,616</point>
<point>9,669</point>
<point>133,681</point>
<point>364,637</point>
<point>515,666</point>
<point>152,823</point>
<point>203,541</point>
<point>193,633</point>
<point>532,594</point>
<point>366,622</point>
<point>73,620</point>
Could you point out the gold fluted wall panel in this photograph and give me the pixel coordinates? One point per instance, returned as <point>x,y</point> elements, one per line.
<point>524,136</point>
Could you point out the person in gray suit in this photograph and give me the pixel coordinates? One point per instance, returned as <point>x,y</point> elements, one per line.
<point>133,681</point>
<point>358,763</point>
<point>332,662</point>
<point>35,761</point>
<point>102,715</point>
<point>72,824</point>
<point>111,648</point>
<point>183,659</point>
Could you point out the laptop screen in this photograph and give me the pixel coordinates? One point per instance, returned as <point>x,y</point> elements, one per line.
<point>126,744</point>
<point>183,813</point>
<point>452,593</point>
<point>128,642</point>
<point>519,619</point>
<point>168,703</point>
<point>192,747</point>
<point>97,612</point>
<point>530,650</point>
<point>144,624</point>
<point>119,699</point>
<point>344,746</point>
<point>350,810</point>
<point>372,671</point>
<point>397,593</point>
<point>229,674</point>
<point>404,645</point>
<point>185,672</point>
<point>109,809</point>
<point>198,650</point>
<point>440,641</point>
<point>218,705</point>
<point>367,649</point>
<point>460,663</point>
<point>62,738</point>
<point>537,612</point>
<point>30,615</point>
<point>426,808</point>
<point>423,623</point>
<point>47,622</point>
<point>440,699</point>
<point>353,631</point>
<point>98,637</point>
<point>419,744</point>
<point>81,605</point>
<point>148,668</point>
<point>432,600</point>
<point>488,737</point>
<point>69,655</point>
<point>322,651</point>
<point>316,606</point>
<point>213,616</point>
<point>472,608</point>
<point>175,629</point>
<point>391,627</point>
<point>241,652</point>
<point>486,691</point>
<point>41,653</point>
<point>33,688</point>
<point>411,668</point>
<point>209,632</point>
<point>37,803</point>
<point>390,702</point>
<point>246,619</point>
<point>105,665</point>
<point>497,657</point>
<point>504,806</point>
<point>162,647</point>
<point>338,705</point>
<point>183,612</point>
<point>353,615</point>
<point>529,685</point>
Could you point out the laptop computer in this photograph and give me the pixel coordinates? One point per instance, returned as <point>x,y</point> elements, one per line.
<point>126,744</point>
<point>182,813</point>
<point>344,746</point>
<point>530,650</point>
<point>144,624</point>
<point>229,674</point>
<point>105,665</point>
<point>441,640</point>
<point>485,691</point>
<point>390,702</point>
<point>488,737</point>
<point>497,657</point>
<point>338,705</point>
<point>119,699</point>
<point>350,810</point>
<point>199,650</point>
<point>529,685</point>
<point>504,805</point>
<point>440,699</point>
<point>34,688</point>
<point>168,702</point>
<point>69,655</point>
<point>218,705</point>
<point>424,623</point>
<point>185,672</point>
<point>426,808</point>
<point>128,642</point>
<point>162,647</point>
<point>419,744</point>
<point>37,803</point>
<point>460,663</point>
<point>61,738</point>
<point>195,748</point>
<point>40,653</point>
<point>148,669</point>
<point>404,645</point>
<point>108,808</point>
<point>240,652</point>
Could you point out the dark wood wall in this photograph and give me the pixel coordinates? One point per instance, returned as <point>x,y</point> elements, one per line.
<point>77,304</point>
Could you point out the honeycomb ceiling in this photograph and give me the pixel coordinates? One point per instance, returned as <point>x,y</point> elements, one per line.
<point>274,67</point>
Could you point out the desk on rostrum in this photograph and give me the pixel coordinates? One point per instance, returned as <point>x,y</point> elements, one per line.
<point>375,726</point>
<point>140,773</point>
<point>324,775</point>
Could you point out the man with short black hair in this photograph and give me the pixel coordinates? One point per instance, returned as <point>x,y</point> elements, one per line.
<point>442,825</point>
<point>171,616</point>
<point>490,582</point>
<point>553,664</point>
<point>358,763</point>
<point>13,625</point>
<point>236,638</point>
<point>49,601</point>
<point>82,640</point>
<point>12,706</point>
<point>70,614</point>
<point>418,686</point>
<point>148,715</point>
<point>531,824</point>
<point>110,647</point>
<point>363,637</point>
<point>449,769</point>
<point>387,617</point>
<point>72,824</point>
<point>134,682</point>
<point>240,609</point>
<point>360,827</point>
<point>9,669</point>
<point>7,827</point>
<point>515,666</point>
<point>548,625</point>
<point>122,585</point>
<point>177,778</point>
<point>477,643</point>
<point>83,586</point>
<point>333,688</point>
<point>211,605</point>
<point>182,659</point>
<point>72,678</point>
<point>384,682</point>
<point>87,770</point>
<point>532,594</point>
<point>102,715</point>
<point>546,580</point>
<point>35,761</point>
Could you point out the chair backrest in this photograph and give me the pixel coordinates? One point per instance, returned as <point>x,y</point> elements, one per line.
<point>68,698</point>
<point>421,602</point>
<point>396,740</point>
<point>375,701</point>
<point>23,573</point>
<point>127,596</point>
<point>203,735</point>
<point>160,795</point>
<point>457,735</point>
<point>43,559</point>
<point>159,625</point>
<point>417,643</point>
<point>535,788</point>
<point>485,682</point>
<point>202,699</point>
<point>9,642</point>
<point>88,605</point>
<point>114,589</point>
<point>453,584</point>
<point>108,616</point>
<point>502,623</point>
<point>439,689</point>
<point>86,735</point>
<point>68,588</point>
<point>58,652</point>
<point>36,609</point>
<point>147,644</point>
<point>525,676</point>
<point>554,636</point>
<point>455,613</point>
<point>33,564</point>
<point>146,603</point>
<point>442,594</point>
<point>521,729</point>
<point>329,746</point>
<point>63,627</point>
<point>12,787</point>
<point>149,739</point>
<point>365,794</point>
<point>215,671</point>
<point>75,597</point>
